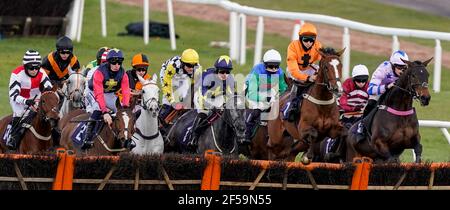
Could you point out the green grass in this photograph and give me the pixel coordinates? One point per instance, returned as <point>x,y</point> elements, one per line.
<point>365,11</point>
<point>193,34</point>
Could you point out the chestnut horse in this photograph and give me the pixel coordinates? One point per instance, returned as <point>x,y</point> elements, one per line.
<point>395,125</point>
<point>319,116</point>
<point>37,138</point>
<point>110,140</point>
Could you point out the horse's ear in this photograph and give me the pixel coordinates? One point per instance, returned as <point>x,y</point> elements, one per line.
<point>154,78</point>
<point>340,52</point>
<point>320,52</point>
<point>142,80</point>
<point>425,63</point>
<point>409,63</point>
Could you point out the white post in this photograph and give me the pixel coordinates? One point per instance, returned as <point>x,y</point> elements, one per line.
<point>233,35</point>
<point>296,29</point>
<point>243,39</point>
<point>395,43</point>
<point>446,134</point>
<point>75,17</point>
<point>80,21</point>
<point>146,22</point>
<point>173,44</point>
<point>259,40</point>
<point>346,58</point>
<point>103,16</point>
<point>437,67</point>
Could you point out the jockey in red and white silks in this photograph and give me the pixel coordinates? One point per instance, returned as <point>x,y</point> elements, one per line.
<point>26,82</point>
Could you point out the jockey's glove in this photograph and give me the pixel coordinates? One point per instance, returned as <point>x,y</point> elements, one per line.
<point>30,102</point>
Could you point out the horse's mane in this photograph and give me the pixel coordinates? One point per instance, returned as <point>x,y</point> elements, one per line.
<point>328,51</point>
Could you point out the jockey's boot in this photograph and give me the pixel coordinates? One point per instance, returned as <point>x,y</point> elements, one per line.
<point>360,134</point>
<point>195,131</point>
<point>293,103</point>
<point>88,141</point>
<point>251,122</point>
<point>18,130</point>
<point>11,142</point>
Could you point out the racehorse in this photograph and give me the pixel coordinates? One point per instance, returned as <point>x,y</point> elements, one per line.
<point>38,134</point>
<point>395,126</point>
<point>73,90</point>
<point>220,135</point>
<point>107,140</point>
<point>319,112</point>
<point>147,137</point>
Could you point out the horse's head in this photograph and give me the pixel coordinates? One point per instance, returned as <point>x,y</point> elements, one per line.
<point>150,95</point>
<point>74,89</point>
<point>123,127</point>
<point>48,108</point>
<point>235,108</point>
<point>416,77</point>
<point>330,70</point>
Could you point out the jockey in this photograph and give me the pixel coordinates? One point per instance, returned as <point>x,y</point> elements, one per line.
<point>176,78</point>
<point>61,63</point>
<point>140,65</point>
<point>355,96</point>
<point>97,61</point>
<point>214,85</point>
<point>27,82</point>
<point>301,55</point>
<point>265,80</point>
<point>382,80</point>
<point>107,79</point>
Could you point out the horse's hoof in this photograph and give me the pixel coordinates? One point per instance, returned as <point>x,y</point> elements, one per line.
<point>306,161</point>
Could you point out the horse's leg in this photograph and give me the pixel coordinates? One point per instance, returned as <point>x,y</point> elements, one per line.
<point>275,131</point>
<point>417,147</point>
<point>382,149</point>
<point>418,152</point>
<point>309,135</point>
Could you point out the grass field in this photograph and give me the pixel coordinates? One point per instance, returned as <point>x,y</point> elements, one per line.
<point>194,34</point>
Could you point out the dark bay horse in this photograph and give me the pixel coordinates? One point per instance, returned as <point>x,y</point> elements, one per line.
<point>222,135</point>
<point>395,125</point>
<point>37,138</point>
<point>109,141</point>
<point>319,116</point>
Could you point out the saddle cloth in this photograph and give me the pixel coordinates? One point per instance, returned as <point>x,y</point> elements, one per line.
<point>78,136</point>
<point>7,131</point>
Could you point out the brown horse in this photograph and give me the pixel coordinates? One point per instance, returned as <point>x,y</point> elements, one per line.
<point>395,125</point>
<point>110,140</point>
<point>37,138</point>
<point>258,149</point>
<point>319,112</point>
